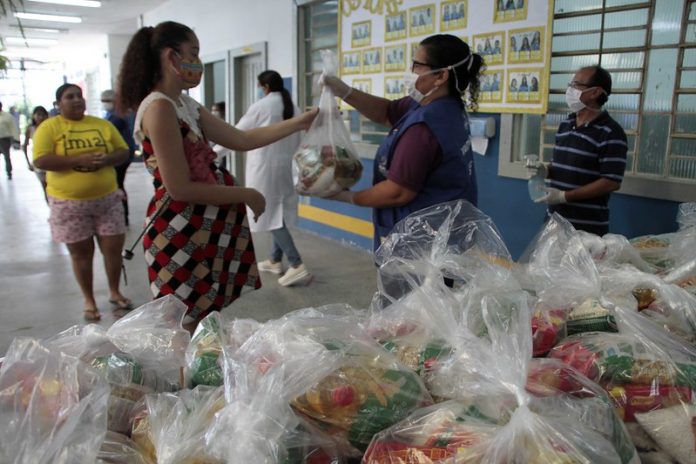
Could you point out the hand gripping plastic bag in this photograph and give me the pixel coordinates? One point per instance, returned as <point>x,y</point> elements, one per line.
<point>327,161</point>
<point>501,409</point>
<point>53,407</point>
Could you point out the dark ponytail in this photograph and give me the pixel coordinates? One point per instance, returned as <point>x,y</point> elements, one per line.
<point>445,50</point>
<point>275,84</point>
<point>141,68</point>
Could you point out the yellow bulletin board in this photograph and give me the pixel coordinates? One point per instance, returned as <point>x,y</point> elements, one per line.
<point>377,40</point>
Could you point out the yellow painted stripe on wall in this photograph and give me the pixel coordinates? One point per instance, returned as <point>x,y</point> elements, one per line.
<point>336,220</point>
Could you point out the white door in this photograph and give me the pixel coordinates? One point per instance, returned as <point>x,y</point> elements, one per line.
<point>245,83</point>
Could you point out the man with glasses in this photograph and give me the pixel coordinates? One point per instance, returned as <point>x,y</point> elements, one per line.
<point>589,157</point>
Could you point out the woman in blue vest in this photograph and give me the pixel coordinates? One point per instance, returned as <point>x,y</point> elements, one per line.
<point>426,158</point>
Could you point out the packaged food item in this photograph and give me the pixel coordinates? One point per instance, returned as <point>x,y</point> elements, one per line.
<point>52,406</point>
<point>654,249</point>
<point>119,449</point>
<point>326,162</point>
<point>548,328</point>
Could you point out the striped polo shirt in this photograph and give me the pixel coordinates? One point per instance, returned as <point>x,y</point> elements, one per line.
<point>581,156</point>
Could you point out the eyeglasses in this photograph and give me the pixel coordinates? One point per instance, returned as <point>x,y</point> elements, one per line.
<point>576,84</point>
<point>418,63</point>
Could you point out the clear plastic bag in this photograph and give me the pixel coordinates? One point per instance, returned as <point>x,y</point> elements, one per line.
<point>53,407</point>
<point>504,407</point>
<point>119,449</point>
<point>204,354</point>
<point>650,375</point>
<point>331,373</point>
<point>327,161</point>
<point>612,250</point>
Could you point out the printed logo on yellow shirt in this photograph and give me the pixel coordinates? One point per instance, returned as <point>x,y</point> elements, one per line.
<point>85,141</point>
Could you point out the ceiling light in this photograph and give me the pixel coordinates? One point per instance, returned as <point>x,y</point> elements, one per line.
<point>85,3</point>
<point>46,30</point>
<point>30,41</point>
<point>47,17</point>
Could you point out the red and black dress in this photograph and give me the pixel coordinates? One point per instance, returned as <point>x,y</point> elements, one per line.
<point>203,254</point>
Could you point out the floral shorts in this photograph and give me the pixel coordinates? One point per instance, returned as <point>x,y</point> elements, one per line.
<point>77,220</point>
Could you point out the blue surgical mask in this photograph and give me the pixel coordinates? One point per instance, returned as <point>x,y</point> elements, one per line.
<point>260,93</point>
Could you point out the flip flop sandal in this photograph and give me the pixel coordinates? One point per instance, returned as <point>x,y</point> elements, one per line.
<point>92,315</point>
<point>124,304</point>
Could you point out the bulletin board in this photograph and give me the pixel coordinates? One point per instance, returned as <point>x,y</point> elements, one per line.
<point>377,40</point>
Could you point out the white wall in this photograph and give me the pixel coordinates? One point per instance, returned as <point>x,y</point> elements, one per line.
<point>117,48</point>
<point>221,26</point>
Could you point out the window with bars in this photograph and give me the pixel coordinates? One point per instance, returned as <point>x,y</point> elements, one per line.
<point>649,47</point>
<point>318,21</point>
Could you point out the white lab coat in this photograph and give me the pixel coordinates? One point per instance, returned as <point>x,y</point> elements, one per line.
<point>269,168</point>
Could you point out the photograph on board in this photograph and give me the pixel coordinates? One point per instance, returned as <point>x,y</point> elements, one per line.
<point>452,15</point>
<point>361,34</point>
<point>491,47</point>
<point>350,63</point>
<point>372,60</point>
<point>394,87</point>
<point>509,10</point>
<point>422,20</point>
<point>363,85</point>
<point>526,45</point>
<point>491,90</point>
<point>395,27</point>
<point>395,58</point>
<point>524,86</point>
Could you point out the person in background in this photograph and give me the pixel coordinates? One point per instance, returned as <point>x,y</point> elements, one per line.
<point>426,157</point>
<point>269,170</point>
<point>199,248</point>
<point>79,153</point>
<point>108,99</point>
<point>15,115</point>
<point>589,157</point>
<point>224,156</point>
<point>38,115</point>
<point>55,111</point>
<point>9,133</point>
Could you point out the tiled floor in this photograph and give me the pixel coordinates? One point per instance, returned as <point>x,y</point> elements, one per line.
<point>39,296</point>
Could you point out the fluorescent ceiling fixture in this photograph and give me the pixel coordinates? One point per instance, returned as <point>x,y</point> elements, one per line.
<point>86,3</point>
<point>30,41</point>
<point>46,30</point>
<point>47,17</point>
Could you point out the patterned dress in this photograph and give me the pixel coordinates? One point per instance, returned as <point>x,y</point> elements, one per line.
<point>203,254</point>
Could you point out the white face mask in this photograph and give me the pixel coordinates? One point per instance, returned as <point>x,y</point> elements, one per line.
<point>108,106</point>
<point>410,79</point>
<point>573,101</point>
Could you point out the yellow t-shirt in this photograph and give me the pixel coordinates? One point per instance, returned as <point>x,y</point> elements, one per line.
<point>64,137</point>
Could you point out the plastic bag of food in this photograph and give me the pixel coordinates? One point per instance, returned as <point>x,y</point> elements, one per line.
<point>559,270</point>
<point>119,449</point>
<point>153,334</point>
<point>53,407</point>
<point>504,407</point>
<point>645,370</point>
<point>667,306</point>
<point>613,249</point>
<point>327,161</point>
<point>655,249</point>
<point>204,354</point>
<point>175,424</point>
<point>335,375</point>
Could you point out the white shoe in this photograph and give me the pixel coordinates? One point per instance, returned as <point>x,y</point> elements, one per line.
<point>269,266</point>
<point>293,275</point>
